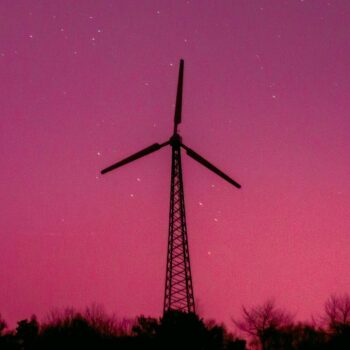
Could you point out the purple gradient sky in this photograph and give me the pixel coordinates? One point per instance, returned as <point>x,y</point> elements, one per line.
<point>266,99</point>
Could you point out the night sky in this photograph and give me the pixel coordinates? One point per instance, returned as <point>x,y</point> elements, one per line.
<point>266,99</point>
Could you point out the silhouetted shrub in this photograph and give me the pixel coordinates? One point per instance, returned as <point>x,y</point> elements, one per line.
<point>72,329</point>
<point>178,330</point>
<point>219,338</point>
<point>27,333</point>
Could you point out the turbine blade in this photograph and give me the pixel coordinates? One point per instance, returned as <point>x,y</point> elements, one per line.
<point>210,166</point>
<point>142,153</point>
<point>178,106</point>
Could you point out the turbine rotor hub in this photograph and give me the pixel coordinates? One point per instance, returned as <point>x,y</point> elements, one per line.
<point>175,140</point>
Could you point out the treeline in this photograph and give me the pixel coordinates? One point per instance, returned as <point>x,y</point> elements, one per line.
<point>94,329</point>
<point>261,327</point>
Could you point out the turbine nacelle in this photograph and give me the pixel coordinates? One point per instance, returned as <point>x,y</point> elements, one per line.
<point>175,140</point>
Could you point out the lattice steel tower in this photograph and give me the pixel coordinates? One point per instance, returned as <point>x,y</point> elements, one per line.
<point>178,282</point>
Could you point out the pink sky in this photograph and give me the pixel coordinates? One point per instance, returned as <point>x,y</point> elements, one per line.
<point>266,99</point>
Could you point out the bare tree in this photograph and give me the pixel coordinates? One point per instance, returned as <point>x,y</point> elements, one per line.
<point>259,321</point>
<point>99,319</point>
<point>93,316</point>
<point>337,311</point>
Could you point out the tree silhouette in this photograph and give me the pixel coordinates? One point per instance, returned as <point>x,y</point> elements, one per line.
<point>262,322</point>
<point>179,330</point>
<point>145,327</point>
<point>308,337</point>
<point>3,325</point>
<point>27,333</point>
<point>337,318</point>
<point>219,338</point>
<point>73,329</point>
<point>337,311</point>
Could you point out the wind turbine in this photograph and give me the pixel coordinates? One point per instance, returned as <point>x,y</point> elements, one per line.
<point>178,283</point>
